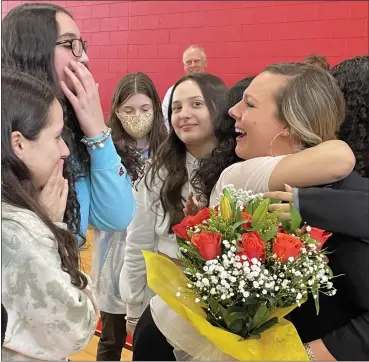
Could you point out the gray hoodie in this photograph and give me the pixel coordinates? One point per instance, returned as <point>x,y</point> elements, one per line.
<point>48,317</point>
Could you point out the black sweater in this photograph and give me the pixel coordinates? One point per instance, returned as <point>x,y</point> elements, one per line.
<point>343,320</point>
<point>4,323</point>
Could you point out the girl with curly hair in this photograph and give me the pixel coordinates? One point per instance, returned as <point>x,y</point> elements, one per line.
<point>44,41</point>
<point>352,76</point>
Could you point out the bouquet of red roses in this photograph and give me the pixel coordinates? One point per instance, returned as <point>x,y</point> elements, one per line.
<point>247,269</point>
<point>244,263</point>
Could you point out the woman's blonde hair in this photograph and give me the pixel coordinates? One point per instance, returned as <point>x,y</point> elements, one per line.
<point>311,103</point>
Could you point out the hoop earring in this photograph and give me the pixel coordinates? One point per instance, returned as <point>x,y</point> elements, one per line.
<point>271,143</point>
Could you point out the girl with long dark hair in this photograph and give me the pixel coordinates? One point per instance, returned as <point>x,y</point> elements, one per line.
<point>160,196</point>
<point>44,41</point>
<point>138,131</point>
<point>50,307</point>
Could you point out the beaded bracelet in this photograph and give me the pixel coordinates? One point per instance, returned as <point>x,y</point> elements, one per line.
<point>309,352</point>
<point>130,319</point>
<point>97,143</point>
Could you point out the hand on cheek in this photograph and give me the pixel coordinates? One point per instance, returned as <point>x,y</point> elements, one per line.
<point>86,100</point>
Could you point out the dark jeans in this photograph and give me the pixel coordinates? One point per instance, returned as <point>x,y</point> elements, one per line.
<point>148,342</point>
<point>113,337</point>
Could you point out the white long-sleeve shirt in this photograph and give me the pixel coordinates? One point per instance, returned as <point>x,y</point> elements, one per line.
<point>48,317</point>
<point>147,231</point>
<point>253,174</point>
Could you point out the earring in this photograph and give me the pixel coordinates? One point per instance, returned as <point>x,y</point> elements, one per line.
<point>271,143</point>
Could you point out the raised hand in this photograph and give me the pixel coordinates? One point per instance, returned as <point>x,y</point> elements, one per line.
<point>85,99</point>
<point>191,209</point>
<point>286,196</point>
<point>54,194</point>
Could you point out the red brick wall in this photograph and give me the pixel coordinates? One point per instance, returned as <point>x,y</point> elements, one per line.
<point>240,37</point>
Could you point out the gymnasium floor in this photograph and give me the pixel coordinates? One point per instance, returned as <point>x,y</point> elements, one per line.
<point>89,353</point>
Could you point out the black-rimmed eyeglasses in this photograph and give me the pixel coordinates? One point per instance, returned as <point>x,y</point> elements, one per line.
<point>77,46</point>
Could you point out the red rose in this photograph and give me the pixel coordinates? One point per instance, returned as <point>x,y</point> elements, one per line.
<point>209,244</point>
<point>180,230</point>
<point>319,235</point>
<point>286,245</point>
<point>189,222</point>
<point>253,246</point>
<point>248,217</point>
<point>202,215</point>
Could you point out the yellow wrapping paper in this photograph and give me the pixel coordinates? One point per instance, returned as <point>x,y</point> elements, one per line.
<point>280,342</point>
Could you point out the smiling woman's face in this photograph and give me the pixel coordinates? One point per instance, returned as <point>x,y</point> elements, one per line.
<point>256,116</point>
<point>190,116</point>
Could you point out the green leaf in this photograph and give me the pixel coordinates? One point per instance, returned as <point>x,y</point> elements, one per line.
<point>259,214</point>
<point>251,300</point>
<point>275,201</point>
<point>236,309</point>
<point>213,305</point>
<point>257,203</point>
<point>247,325</point>
<point>260,316</point>
<point>212,320</point>
<point>238,217</point>
<point>249,208</point>
<point>268,324</point>
<point>330,272</point>
<point>237,224</point>
<point>228,318</point>
<point>315,292</point>
<point>269,234</point>
<point>236,326</point>
<point>271,300</point>
<point>180,240</point>
<point>295,218</point>
<point>238,248</point>
<point>236,322</point>
<point>286,224</point>
<point>227,194</point>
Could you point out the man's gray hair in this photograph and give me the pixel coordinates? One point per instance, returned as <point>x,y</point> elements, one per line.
<point>195,47</point>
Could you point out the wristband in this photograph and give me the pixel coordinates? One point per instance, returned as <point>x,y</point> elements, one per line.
<point>309,352</point>
<point>99,142</point>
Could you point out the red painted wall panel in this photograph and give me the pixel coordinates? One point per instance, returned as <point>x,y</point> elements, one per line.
<point>240,37</point>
